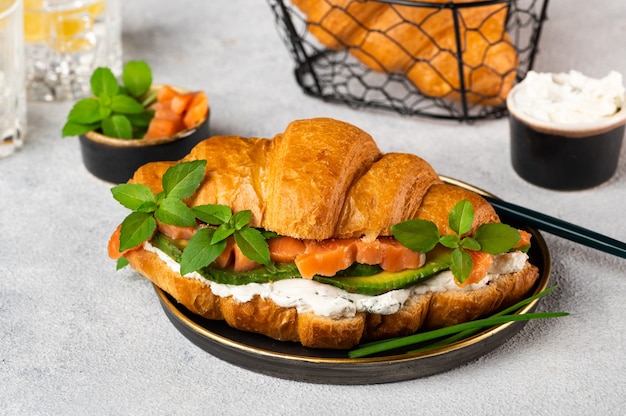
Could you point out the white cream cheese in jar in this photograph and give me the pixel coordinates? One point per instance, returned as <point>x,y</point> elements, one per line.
<point>570,97</point>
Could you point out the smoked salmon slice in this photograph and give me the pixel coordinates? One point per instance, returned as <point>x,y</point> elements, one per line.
<point>328,257</point>
<point>285,249</point>
<point>525,237</point>
<point>481,264</point>
<point>232,256</point>
<point>389,253</point>
<point>176,232</point>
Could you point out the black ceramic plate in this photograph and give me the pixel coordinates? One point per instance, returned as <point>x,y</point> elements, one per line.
<point>292,361</point>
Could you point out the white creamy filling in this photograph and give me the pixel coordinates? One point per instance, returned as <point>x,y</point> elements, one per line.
<point>569,97</point>
<point>326,300</point>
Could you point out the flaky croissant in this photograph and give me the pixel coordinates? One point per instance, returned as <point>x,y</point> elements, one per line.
<point>421,43</point>
<point>322,179</point>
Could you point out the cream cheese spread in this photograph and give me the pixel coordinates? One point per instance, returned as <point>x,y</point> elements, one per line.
<point>326,300</point>
<point>569,97</point>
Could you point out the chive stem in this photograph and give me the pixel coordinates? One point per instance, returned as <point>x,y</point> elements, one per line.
<point>438,333</point>
<point>469,332</point>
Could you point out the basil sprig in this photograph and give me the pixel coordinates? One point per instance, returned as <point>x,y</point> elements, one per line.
<point>115,110</point>
<point>208,243</point>
<point>423,235</point>
<point>179,182</point>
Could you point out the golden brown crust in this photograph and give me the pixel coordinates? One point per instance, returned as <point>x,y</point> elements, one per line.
<point>319,179</point>
<point>312,165</point>
<point>188,292</point>
<point>397,182</point>
<point>235,175</point>
<point>406,321</point>
<point>263,316</point>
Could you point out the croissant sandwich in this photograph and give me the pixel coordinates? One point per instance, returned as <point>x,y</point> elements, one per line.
<point>317,237</point>
<point>420,41</point>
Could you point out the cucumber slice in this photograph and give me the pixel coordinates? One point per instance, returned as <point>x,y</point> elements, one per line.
<point>436,261</point>
<point>263,274</point>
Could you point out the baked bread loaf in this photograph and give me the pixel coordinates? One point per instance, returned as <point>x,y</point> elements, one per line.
<point>421,42</point>
<point>324,179</point>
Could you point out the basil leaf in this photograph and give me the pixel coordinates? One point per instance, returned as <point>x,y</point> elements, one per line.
<point>134,196</point>
<point>137,78</point>
<point>450,241</point>
<point>85,111</point>
<point>418,235</point>
<point>181,180</point>
<point>461,217</point>
<point>137,227</point>
<point>241,219</point>
<point>269,234</point>
<point>462,264</point>
<point>121,263</point>
<point>117,126</point>
<point>76,129</point>
<point>222,233</point>
<point>174,212</point>
<point>126,105</point>
<point>469,243</point>
<point>142,119</point>
<point>105,110</point>
<point>110,99</point>
<point>253,245</point>
<point>103,83</point>
<point>200,252</point>
<point>213,214</point>
<point>160,197</point>
<point>496,238</point>
<point>149,206</point>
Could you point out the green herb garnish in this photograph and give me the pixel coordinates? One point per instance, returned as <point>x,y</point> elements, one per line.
<point>469,332</point>
<point>423,236</point>
<point>179,182</point>
<point>457,332</point>
<point>115,110</point>
<point>208,243</point>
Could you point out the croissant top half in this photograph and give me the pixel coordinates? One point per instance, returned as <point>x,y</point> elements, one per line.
<point>321,178</point>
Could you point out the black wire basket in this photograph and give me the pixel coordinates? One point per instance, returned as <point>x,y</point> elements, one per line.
<point>439,58</point>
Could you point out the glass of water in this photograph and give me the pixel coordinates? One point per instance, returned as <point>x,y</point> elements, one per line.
<point>12,93</point>
<point>65,40</point>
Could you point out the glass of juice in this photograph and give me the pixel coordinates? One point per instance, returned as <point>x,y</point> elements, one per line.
<point>65,40</point>
<point>12,92</point>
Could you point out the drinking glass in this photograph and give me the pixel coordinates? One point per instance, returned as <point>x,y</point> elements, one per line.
<point>12,93</point>
<point>65,40</point>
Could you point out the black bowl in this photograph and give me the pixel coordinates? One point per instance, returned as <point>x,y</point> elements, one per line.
<point>116,160</point>
<point>561,156</point>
